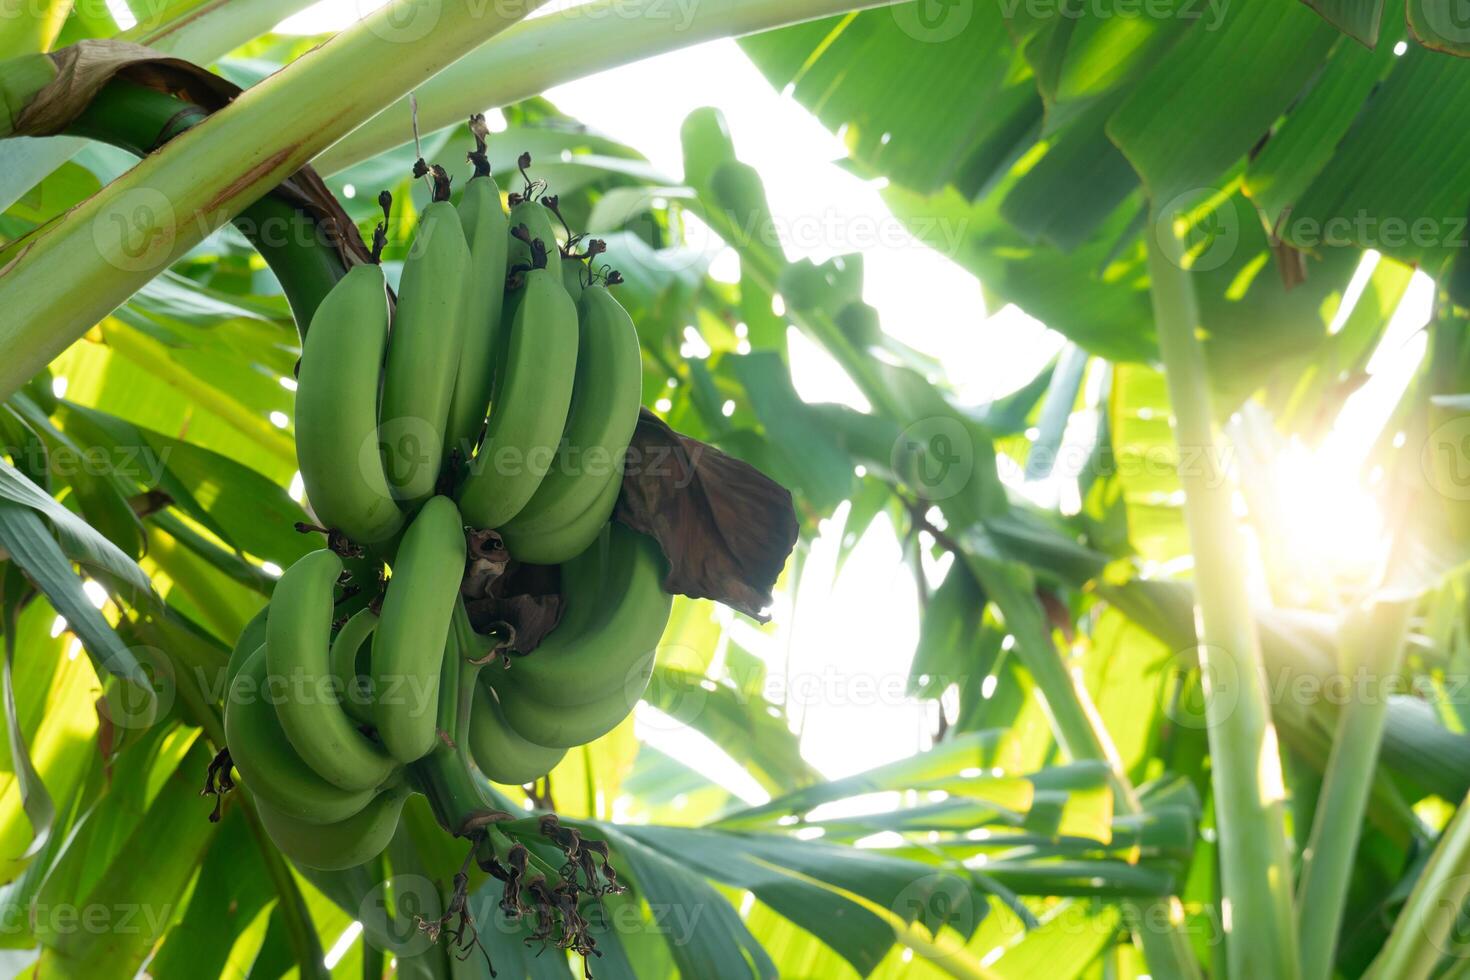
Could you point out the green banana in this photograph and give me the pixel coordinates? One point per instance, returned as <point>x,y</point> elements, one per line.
<point>560,726</point>
<point>531,404</point>
<point>341,844</point>
<point>298,645</point>
<point>249,640</point>
<point>267,762</point>
<point>337,410</point>
<point>424,353</point>
<point>549,547</point>
<point>483,217</point>
<point>573,271</point>
<point>536,217</point>
<point>616,611</point>
<point>413,626</point>
<point>606,395</point>
<point>500,752</point>
<point>346,648</point>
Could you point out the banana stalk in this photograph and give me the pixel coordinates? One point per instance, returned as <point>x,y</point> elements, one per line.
<point>1255,866</point>
<point>605,34</point>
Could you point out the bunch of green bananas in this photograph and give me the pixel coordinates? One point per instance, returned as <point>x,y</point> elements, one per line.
<point>326,765</point>
<point>342,701</point>
<point>549,345</point>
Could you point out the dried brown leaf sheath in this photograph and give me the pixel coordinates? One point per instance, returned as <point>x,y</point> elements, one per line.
<point>725,527</point>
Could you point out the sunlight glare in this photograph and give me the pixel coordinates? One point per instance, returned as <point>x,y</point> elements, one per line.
<point>1332,527</point>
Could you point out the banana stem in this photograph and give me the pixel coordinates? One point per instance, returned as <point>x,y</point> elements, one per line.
<point>1372,641</point>
<point>445,776</point>
<point>140,120</point>
<point>605,34</point>
<point>1255,867</point>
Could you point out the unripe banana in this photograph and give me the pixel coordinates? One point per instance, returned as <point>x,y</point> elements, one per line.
<point>346,648</point>
<point>298,647</point>
<point>605,400</point>
<point>537,219</point>
<point>573,275</point>
<point>341,845</point>
<point>500,752</point>
<point>424,353</point>
<point>337,410</point>
<point>531,404</point>
<point>616,611</point>
<point>268,764</point>
<point>250,639</point>
<point>548,547</point>
<point>413,626</point>
<point>483,217</point>
<point>560,726</point>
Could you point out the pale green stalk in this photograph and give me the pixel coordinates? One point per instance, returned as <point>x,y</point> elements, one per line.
<point>205,32</point>
<point>1428,927</point>
<point>1372,644</point>
<point>93,259</point>
<point>537,54</point>
<point>1245,761</point>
